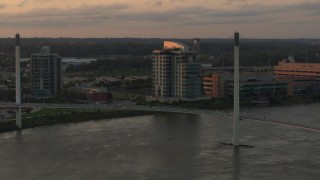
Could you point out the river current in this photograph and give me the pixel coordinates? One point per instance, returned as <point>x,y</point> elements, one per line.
<point>165,146</point>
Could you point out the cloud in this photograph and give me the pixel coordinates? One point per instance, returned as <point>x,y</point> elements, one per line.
<point>117,6</point>
<point>84,10</point>
<point>44,0</point>
<point>55,17</point>
<point>22,3</point>
<point>121,15</point>
<point>232,1</point>
<point>261,9</point>
<point>157,3</point>
<point>177,0</point>
<point>2,5</point>
<point>254,13</point>
<point>309,6</point>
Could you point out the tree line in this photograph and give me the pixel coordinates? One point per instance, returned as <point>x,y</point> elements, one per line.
<point>253,52</point>
<point>129,65</point>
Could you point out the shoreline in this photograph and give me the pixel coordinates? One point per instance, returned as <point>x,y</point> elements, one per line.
<point>67,116</point>
<point>227,104</point>
<point>46,117</point>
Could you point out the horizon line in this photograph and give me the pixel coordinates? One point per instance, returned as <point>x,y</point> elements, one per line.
<point>248,38</point>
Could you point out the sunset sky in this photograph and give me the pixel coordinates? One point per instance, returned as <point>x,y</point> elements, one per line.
<point>161,18</point>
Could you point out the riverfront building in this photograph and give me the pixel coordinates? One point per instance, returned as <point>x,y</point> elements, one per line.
<point>46,77</point>
<point>175,72</point>
<point>252,84</point>
<point>288,67</point>
<point>288,78</point>
<point>300,76</point>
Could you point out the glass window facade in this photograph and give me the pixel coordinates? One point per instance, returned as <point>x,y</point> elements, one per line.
<point>46,78</point>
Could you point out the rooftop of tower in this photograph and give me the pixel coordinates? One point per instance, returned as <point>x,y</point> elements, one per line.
<point>45,50</point>
<point>171,45</point>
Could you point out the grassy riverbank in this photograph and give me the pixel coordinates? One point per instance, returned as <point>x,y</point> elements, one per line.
<point>227,103</point>
<point>57,116</point>
<point>217,104</point>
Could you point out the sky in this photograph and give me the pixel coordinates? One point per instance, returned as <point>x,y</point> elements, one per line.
<point>161,18</point>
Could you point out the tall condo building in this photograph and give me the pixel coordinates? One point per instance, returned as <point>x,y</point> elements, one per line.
<point>46,77</point>
<point>175,71</point>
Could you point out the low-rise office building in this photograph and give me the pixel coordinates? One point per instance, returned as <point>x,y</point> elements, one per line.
<point>252,84</point>
<point>299,76</point>
<point>288,67</point>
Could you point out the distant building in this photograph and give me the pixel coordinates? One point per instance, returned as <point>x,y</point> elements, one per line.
<point>196,45</point>
<point>288,78</point>
<point>46,77</point>
<point>299,76</point>
<point>215,70</point>
<point>288,67</point>
<point>252,84</point>
<point>175,72</point>
<point>88,94</point>
<point>96,95</point>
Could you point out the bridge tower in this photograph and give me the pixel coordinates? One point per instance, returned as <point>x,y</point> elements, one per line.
<point>236,91</point>
<point>18,82</point>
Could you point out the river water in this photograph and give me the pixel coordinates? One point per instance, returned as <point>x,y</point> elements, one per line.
<point>164,146</point>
